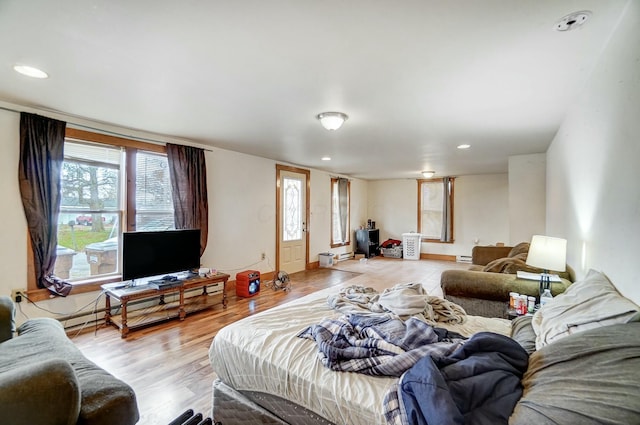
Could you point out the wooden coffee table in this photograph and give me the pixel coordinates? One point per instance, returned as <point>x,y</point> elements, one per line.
<point>163,309</point>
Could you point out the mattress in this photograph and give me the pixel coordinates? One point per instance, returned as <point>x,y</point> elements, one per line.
<point>261,353</point>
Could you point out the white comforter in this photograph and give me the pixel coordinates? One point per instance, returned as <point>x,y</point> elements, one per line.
<point>263,353</point>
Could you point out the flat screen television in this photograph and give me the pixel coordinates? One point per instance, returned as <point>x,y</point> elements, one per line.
<point>146,254</point>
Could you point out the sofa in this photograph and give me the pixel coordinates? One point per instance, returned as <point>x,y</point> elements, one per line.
<point>45,379</point>
<point>584,358</point>
<point>483,289</point>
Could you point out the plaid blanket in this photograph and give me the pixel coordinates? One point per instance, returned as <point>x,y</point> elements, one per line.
<point>378,345</point>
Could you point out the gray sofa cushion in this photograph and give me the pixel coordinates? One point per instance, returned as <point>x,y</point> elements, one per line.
<point>587,378</point>
<point>105,400</point>
<point>7,324</point>
<point>45,392</point>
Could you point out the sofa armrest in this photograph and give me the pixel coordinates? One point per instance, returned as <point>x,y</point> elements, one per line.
<point>486,293</point>
<point>492,286</point>
<point>7,316</point>
<point>43,393</point>
<point>477,284</point>
<point>483,255</point>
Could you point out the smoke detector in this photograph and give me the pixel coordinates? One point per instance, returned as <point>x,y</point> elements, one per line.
<point>572,21</point>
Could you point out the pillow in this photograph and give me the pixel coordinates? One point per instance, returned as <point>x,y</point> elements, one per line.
<point>590,303</point>
<point>587,378</point>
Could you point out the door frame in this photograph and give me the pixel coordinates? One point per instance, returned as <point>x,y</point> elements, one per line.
<point>307,209</point>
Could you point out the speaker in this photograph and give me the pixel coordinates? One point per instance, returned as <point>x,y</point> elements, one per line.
<point>247,283</point>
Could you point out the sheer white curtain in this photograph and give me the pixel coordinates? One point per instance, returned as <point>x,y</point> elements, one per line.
<point>447,217</point>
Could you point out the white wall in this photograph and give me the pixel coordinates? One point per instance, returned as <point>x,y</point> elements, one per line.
<point>527,196</point>
<point>241,212</point>
<point>481,211</point>
<point>13,259</point>
<point>593,172</point>
<point>393,205</point>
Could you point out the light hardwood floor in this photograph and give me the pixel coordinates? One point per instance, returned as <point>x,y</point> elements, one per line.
<point>168,366</point>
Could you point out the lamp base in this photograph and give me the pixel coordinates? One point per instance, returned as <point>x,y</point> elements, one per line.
<point>545,283</point>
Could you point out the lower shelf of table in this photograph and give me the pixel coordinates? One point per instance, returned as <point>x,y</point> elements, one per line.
<point>145,316</point>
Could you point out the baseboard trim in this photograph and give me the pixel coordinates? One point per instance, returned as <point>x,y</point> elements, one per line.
<point>439,257</point>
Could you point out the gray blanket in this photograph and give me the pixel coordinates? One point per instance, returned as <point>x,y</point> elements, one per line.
<point>403,300</point>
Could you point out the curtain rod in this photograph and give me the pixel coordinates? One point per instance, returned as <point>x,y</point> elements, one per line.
<point>112,133</point>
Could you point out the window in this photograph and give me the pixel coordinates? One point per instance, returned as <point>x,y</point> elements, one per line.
<point>154,206</point>
<point>292,211</point>
<point>96,200</point>
<point>435,209</point>
<point>340,212</point>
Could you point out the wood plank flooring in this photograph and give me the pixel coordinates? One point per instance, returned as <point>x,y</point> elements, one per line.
<point>167,364</point>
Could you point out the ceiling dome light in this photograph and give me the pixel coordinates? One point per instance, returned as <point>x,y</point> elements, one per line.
<point>428,174</point>
<point>464,146</point>
<point>332,120</point>
<point>30,71</point>
<point>326,158</point>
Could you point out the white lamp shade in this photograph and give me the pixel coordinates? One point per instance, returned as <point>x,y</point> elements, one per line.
<point>332,120</point>
<point>548,253</point>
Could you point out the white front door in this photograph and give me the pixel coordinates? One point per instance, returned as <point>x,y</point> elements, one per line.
<point>292,219</point>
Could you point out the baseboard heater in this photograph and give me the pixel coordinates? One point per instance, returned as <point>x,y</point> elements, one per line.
<point>463,259</point>
<point>345,256</point>
<point>91,317</point>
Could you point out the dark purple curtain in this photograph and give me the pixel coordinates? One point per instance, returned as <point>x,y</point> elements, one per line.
<point>188,174</point>
<point>41,156</point>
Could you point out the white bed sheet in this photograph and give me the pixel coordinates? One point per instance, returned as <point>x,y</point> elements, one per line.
<point>263,353</point>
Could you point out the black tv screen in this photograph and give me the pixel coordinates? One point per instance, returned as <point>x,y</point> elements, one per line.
<point>146,254</point>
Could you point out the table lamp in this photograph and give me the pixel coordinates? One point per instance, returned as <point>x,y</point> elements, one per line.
<point>547,253</point>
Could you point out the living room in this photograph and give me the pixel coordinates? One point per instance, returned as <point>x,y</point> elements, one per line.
<point>592,150</point>
<point>582,188</point>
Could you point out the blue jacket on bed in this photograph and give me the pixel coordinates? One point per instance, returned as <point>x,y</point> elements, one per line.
<point>479,383</point>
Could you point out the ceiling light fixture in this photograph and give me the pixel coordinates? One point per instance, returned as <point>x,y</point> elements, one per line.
<point>464,146</point>
<point>30,71</point>
<point>428,174</point>
<point>332,120</point>
<point>572,21</point>
<point>326,158</point>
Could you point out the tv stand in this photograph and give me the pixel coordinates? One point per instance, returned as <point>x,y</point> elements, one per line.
<point>164,310</point>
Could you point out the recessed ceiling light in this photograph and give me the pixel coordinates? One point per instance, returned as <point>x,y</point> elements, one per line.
<point>326,158</point>
<point>30,71</point>
<point>464,146</point>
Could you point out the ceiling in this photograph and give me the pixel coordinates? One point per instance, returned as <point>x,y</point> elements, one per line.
<point>417,78</point>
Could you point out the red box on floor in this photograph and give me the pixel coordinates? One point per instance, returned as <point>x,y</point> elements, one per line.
<point>247,283</point>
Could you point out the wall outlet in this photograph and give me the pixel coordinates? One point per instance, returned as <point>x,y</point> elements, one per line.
<point>263,256</point>
<point>16,295</point>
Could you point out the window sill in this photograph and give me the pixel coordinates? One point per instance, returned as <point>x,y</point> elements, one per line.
<point>436,241</point>
<point>82,287</point>
<point>337,245</point>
